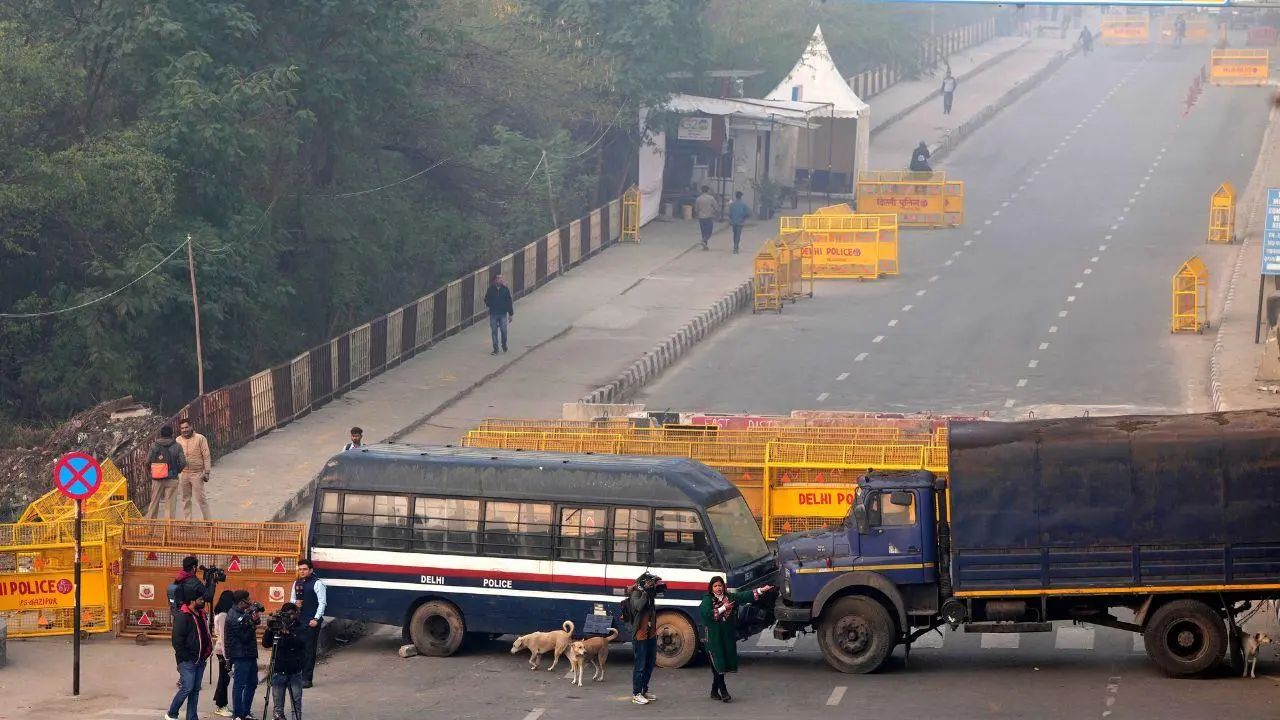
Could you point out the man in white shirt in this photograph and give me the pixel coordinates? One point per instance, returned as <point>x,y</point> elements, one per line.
<point>948,92</point>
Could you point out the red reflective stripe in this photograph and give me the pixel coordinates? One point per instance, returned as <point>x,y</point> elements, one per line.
<point>495,574</point>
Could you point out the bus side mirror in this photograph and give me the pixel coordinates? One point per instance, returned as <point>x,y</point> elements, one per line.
<point>901,498</point>
<point>860,518</point>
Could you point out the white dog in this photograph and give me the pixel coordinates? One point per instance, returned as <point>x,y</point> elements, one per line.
<point>1251,643</point>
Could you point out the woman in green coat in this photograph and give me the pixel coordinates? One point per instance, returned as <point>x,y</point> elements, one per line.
<point>720,636</point>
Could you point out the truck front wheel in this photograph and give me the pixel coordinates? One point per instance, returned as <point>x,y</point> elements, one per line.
<point>856,635</point>
<point>1185,638</point>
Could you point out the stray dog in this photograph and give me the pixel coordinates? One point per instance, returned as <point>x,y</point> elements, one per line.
<point>1251,643</point>
<point>597,652</point>
<point>577,654</point>
<point>552,641</point>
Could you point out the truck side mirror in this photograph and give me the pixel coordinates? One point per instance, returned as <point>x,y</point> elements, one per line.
<point>901,498</point>
<point>860,519</point>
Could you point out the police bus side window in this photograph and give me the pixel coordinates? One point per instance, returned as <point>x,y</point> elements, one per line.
<point>582,533</point>
<point>329,520</point>
<point>449,525</point>
<point>357,520</point>
<point>390,522</point>
<point>632,536</point>
<point>680,540</point>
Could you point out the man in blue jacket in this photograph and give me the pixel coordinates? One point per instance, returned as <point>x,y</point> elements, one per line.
<point>739,213</point>
<point>242,650</point>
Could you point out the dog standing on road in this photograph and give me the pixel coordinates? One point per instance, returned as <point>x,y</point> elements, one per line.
<point>552,641</point>
<point>577,654</point>
<point>1251,643</point>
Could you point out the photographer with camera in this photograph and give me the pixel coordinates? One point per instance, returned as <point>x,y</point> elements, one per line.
<point>242,650</point>
<point>286,637</point>
<point>195,580</point>
<point>639,610</point>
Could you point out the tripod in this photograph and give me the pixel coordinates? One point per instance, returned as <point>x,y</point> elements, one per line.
<point>295,702</point>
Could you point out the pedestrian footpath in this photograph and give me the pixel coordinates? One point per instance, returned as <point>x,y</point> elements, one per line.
<point>581,330</point>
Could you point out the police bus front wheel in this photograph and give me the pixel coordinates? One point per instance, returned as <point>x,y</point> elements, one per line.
<point>677,641</point>
<point>437,629</point>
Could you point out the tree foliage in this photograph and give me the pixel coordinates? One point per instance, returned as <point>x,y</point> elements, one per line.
<point>330,159</point>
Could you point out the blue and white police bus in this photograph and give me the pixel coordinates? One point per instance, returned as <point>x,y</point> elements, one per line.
<point>455,543</point>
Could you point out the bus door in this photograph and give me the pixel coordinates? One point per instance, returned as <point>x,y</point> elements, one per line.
<point>582,533</point>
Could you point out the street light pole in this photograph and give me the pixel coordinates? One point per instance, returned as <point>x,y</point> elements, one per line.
<point>195,306</point>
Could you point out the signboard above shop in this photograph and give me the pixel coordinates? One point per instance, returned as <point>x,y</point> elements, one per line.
<point>695,128</point>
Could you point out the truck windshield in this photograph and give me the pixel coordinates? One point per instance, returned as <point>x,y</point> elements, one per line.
<point>737,532</point>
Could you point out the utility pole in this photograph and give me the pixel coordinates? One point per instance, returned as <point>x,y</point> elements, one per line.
<point>551,198</point>
<point>195,306</point>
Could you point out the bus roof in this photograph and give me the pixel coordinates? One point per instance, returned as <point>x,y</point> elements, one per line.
<point>522,474</point>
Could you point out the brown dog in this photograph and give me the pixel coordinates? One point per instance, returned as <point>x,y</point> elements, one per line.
<point>597,649</point>
<point>552,641</point>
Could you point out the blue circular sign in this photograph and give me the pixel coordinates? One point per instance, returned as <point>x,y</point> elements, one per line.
<point>77,475</point>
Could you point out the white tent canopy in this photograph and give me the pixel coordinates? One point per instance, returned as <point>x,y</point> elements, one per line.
<point>841,145</point>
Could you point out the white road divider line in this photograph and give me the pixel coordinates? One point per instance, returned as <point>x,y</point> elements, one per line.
<point>837,695</point>
<point>1022,382</point>
<point>1053,328</point>
<point>1062,313</point>
<point>907,308</point>
<point>1079,285</point>
<point>1044,346</point>
<point>861,356</point>
<point>878,338</point>
<point>841,377</point>
<point>1033,363</point>
<point>534,714</point>
<point>1071,298</point>
<point>1088,271</point>
<point>1009,403</point>
<point>823,396</point>
<point>893,322</point>
<point>1003,641</point>
<point>1073,638</point>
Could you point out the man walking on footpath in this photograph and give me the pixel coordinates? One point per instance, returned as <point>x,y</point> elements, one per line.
<point>192,646</point>
<point>704,208</point>
<point>948,92</point>
<point>195,448</point>
<point>738,214</point>
<point>311,596</point>
<point>166,463</point>
<point>502,311</point>
<point>357,439</point>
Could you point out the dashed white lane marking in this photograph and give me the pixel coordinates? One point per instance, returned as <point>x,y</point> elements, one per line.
<point>1115,227</point>
<point>1139,645</point>
<point>1142,185</point>
<point>837,694</point>
<point>947,263</point>
<point>1033,363</point>
<point>1107,237</point>
<point>1113,687</point>
<point>987,221</point>
<point>1071,298</point>
<point>534,714</point>
<point>1004,204</point>
<point>907,308</point>
<point>1053,328</point>
<point>1004,641</point>
<point>1044,346</point>
<point>1012,196</point>
<point>1103,248</point>
<point>933,279</point>
<point>1062,313</point>
<point>995,213</point>
<point>978,231</point>
<point>967,243</point>
<point>1021,188</point>
<point>957,253</point>
<point>1007,403</point>
<point>1120,219</point>
<point>893,323</point>
<point>878,338</point>
<point>1146,178</point>
<point>1079,285</point>
<point>841,377</point>
<point>920,293</point>
<point>1088,271</point>
<point>1095,258</point>
<point>861,356</point>
<point>823,396</point>
<point>1073,638</point>
<point>1022,382</point>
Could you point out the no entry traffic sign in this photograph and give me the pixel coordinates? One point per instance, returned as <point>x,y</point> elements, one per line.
<point>77,475</point>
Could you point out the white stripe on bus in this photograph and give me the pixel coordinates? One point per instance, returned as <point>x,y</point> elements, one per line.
<point>459,590</point>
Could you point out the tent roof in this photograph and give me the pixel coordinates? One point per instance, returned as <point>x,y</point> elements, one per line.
<point>782,112</point>
<point>815,80</point>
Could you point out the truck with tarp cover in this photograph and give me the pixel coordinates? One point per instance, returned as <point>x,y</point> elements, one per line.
<point>1168,526</point>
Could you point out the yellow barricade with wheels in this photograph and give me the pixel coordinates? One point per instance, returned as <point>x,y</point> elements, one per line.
<point>1190,297</point>
<point>631,215</point>
<point>1125,30</point>
<point>1243,66</point>
<point>919,199</point>
<point>1222,215</point>
<point>766,291</point>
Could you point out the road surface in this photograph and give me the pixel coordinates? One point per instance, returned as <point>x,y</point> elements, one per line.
<point>1083,199</point>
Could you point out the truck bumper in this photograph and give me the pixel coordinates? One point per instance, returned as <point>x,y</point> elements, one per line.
<point>785,613</point>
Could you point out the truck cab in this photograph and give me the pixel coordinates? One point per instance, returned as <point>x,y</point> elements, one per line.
<point>865,585</point>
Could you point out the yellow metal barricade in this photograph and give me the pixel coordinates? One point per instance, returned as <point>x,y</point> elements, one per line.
<point>766,289</point>
<point>53,505</point>
<point>1199,29</point>
<point>1125,30</point>
<point>258,557</point>
<point>1222,215</point>
<point>1243,66</point>
<point>1190,297</point>
<point>919,199</point>
<point>887,244</point>
<point>37,570</point>
<point>631,215</point>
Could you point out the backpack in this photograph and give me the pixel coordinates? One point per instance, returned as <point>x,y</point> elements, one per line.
<point>172,593</point>
<point>161,459</point>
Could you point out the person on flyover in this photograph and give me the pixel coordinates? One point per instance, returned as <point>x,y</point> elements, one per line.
<point>920,158</point>
<point>1179,31</point>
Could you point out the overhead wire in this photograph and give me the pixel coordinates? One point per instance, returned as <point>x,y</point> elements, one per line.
<point>28,316</point>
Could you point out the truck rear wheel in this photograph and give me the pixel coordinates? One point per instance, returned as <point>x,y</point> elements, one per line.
<point>677,642</point>
<point>856,635</point>
<point>1185,638</point>
<point>437,629</point>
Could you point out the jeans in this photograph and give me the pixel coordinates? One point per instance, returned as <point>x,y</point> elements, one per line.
<point>293,683</point>
<point>707,226</point>
<point>224,682</point>
<point>498,326</point>
<point>244,681</point>
<point>646,655</point>
<point>737,236</point>
<point>189,674</point>
<point>947,97</point>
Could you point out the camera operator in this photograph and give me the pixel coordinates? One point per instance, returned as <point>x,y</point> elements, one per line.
<point>194,580</point>
<point>639,609</point>
<point>286,633</point>
<point>242,651</point>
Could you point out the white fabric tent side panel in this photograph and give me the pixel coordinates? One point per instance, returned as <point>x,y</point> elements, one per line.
<point>784,145</point>
<point>653,164</point>
<point>863,154</point>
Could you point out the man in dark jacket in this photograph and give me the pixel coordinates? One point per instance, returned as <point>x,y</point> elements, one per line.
<point>502,311</point>
<point>312,597</point>
<point>920,158</point>
<point>242,650</point>
<point>166,461</point>
<point>192,646</point>
<point>287,635</point>
<point>641,612</point>
<point>188,584</point>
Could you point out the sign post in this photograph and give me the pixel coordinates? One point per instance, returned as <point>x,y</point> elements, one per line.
<point>78,476</point>
<point>1270,254</point>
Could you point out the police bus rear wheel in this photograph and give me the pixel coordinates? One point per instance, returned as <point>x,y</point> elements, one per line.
<point>437,629</point>
<point>677,642</point>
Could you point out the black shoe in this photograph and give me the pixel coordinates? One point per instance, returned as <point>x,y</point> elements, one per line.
<point>715,695</point>
<point>504,348</point>
<point>725,697</point>
<point>306,684</point>
<point>495,352</point>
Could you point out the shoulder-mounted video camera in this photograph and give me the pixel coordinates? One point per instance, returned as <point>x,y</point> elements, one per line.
<point>213,575</point>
